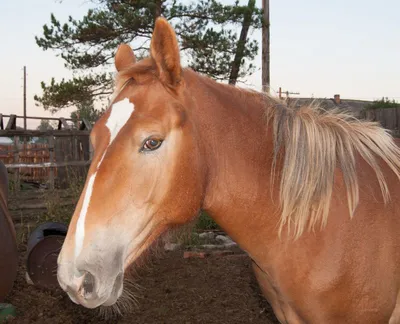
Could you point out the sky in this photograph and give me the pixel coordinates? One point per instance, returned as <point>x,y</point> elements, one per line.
<point>318,48</point>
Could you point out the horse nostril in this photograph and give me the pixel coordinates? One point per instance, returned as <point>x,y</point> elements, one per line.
<point>87,285</point>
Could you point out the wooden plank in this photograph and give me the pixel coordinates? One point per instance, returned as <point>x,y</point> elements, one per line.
<point>39,118</point>
<point>378,117</point>
<point>47,164</point>
<point>16,160</point>
<point>84,148</point>
<point>85,125</point>
<point>51,150</point>
<point>24,224</point>
<point>91,151</point>
<point>62,123</point>
<point>392,123</point>
<point>38,133</point>
<point>75,149</point>
<point>42,205</point>
<point>394,119</point>
<point>12,122</point>
<point>38,195</point>
<point>62,153</point>
<point>386,117</point>
<point>369,115</point>
<point>33,149</point>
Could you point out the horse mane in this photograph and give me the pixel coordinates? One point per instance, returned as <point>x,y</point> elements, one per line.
<point>313,143</point>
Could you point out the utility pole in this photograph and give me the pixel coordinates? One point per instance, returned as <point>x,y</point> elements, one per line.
<point>24,97</point>
<point>265,47</point>
<point>287,93</point>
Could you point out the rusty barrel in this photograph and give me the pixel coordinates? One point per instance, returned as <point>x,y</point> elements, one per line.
<point>8,242</point>
<point>44,245</point>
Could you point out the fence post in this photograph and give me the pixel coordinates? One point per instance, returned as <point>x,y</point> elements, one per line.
<point>75,149</point>
<point>51,155</point>
<point>16,161</point>
<point>90,150</point>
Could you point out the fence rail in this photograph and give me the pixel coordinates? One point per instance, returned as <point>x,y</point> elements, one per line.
<point>67,147</point>
<point>39,133</point>
<point>47,164</point>
<point>62,122</point>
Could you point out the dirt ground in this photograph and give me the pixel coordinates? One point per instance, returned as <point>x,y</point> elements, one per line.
<point>173,290</point>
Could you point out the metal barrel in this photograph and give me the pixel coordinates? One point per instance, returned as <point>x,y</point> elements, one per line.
<point>44,245</point>
<point>8,242</point>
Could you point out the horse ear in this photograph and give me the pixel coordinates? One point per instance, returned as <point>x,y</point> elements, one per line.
<point>164,51</point>
<point>124,57</point>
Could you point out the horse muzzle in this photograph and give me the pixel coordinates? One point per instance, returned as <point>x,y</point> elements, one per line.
<point>90,288</point>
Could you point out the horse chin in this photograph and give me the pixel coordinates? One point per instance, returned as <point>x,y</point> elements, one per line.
<point>112,300</point>
<point>115,294</point>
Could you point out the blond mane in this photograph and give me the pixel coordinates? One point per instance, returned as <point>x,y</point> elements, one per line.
<point>312,144</point>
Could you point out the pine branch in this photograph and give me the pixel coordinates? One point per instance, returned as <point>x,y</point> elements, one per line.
<point>205,29</point>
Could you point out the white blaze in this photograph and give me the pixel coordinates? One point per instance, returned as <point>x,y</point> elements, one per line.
<point>119,115</point>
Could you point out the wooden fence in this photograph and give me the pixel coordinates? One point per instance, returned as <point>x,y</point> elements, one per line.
<point>389,118</point>
<point>48,161</point>
<point>28,154</point>
<point>69,147</point>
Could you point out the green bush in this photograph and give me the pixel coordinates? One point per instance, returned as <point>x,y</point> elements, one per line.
<point>383,103</point>
<point>205,222</point>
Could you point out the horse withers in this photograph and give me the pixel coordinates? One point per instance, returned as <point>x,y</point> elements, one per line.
<point>311,195</point>
<point>8,243</point>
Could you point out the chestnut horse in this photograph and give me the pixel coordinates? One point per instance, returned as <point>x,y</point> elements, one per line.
<point>312,196</point>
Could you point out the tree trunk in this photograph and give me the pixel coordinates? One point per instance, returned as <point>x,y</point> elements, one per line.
<point>265,48</point>
<point>158,8</point>
<point>241,43</point>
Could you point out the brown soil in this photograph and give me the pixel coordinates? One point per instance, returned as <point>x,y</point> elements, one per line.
<point>173,290</point>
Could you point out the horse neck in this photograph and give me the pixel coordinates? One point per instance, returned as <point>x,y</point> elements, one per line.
<point>237,149</point>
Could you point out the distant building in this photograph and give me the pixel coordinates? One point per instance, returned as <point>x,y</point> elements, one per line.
<point>354,106</point>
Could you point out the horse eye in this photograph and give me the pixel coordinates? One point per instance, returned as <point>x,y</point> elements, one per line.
<point>152,144</point>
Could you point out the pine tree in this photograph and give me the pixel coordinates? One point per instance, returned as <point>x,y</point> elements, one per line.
<point>85,110</point>
<point>205,28</point>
